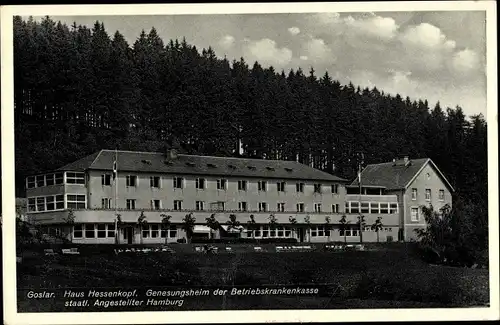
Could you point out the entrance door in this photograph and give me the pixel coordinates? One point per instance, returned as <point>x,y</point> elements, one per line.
<point>128,234</point>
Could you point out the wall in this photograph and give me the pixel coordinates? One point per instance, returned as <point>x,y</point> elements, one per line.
<point>143,193</point>
<point>422,182</point>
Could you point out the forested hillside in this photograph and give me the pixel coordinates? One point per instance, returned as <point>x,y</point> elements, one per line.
<point>79,89</point>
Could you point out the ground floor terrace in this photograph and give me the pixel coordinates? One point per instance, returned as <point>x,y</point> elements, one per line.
<point>101,226</point>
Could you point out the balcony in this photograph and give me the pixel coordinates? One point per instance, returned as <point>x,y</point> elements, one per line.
<point>372,198</point>
<point>155,216</point>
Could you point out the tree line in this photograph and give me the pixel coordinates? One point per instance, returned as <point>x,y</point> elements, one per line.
<point>79,89</point>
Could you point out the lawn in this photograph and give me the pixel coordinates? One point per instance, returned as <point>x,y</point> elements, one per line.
<point>393,278</point>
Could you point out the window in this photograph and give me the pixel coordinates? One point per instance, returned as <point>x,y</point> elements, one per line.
<point>221,184</point>
<point>177,205</point>
<point>101,231</point>
<point>317,188</point>
<point>155,204</point>
<point>76,201</point>
<point>242,206</point>
<point>154,181</point>
<point>145,231</point>
<point>414,214</point>
<point>262,186</point>
<point>265,232</point>
<point>40,181</point>
<point>78,231</point>
<point>178,182</point>
<point>262,207</point>
<point>335,208</point>
<point>131,180</point>
<point>427,194</point>
<point>281,207</point>
<point>105,180</point>
<point>365,207</point>
<point>111,230</point>
<point>173,232</point>
<point>170,232</point>
<point>300,207</point>
<point>106,203</point>
<point>49,201</point>
<point>374,208</point>
<point>154,231</point>
<point>218,206</point>
<point>130,204</point>
<point>49,179</point>
<point>200,205</point>
<point>413,194</point>
<point>59,178</point>
<point>299,187</point>
<point>354,207</point>
<point>335,189</point>
<point>200,183</point>
<point>281,186</point>
<point>242,185</point>
<point>40,203</point>
<point>30,182</point>
<point>31,204</point>
<point>384,208</point>
<point>89,231</point>
<point>393,208</point>
<point>441,195</point>
<point>350,232</point>
<point>288,232</point>
<point>317,207</point>
<point>74,178</point>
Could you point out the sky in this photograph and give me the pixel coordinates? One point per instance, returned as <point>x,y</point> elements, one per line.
<point>438,56</point>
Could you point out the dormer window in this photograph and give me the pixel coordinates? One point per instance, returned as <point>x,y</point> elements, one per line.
<point>190,164</point>
<point>145,161</point>
<point>251,167</point>
<point>270,168</point>
<point>168,162</point>
<point>232,166</point>
<point>211,165</point>
<point>288,169</point>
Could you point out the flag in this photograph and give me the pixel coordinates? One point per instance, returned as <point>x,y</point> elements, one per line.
<point>115,168</point>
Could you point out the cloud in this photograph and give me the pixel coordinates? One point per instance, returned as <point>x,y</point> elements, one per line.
<point>425,35</point>
<point>381,27</point>
<point>294,30</point>
<point>317,49</point>
<point>226,42</point>
<point>266,51</point>
<point>465,60</point>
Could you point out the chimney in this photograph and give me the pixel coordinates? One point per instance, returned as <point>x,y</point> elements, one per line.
<point>407,160</point>
<point>172,154</point>
<point>394,161</point>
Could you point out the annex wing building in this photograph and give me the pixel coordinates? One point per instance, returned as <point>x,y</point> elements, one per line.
<point>267,198</point>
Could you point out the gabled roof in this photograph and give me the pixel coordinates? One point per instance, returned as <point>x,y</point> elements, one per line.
<point>157,162</point>
<point>395,175</point>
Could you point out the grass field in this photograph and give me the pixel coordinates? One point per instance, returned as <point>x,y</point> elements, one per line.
<point>393,278</point>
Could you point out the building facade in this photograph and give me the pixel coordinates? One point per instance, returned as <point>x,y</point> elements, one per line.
<point>267,198</point>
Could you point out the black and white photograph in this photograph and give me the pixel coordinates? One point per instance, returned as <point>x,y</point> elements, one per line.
<point>302,162</point>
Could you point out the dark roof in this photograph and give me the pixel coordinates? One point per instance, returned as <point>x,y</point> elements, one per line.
<point>156,162</point>
<point>394,175</point>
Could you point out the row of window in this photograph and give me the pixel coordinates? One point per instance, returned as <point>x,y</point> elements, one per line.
<point>102,230</point>
<point>106,203</point>
<point>428,194</point>
<point>201,184</point>
<point>56,202</point>
<point>371,207</point>
<point>55,179</point>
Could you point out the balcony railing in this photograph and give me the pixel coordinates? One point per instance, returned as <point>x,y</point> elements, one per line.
<point>207,211</point>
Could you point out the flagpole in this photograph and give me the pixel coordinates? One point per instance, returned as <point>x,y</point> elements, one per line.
<point>115,174</point>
